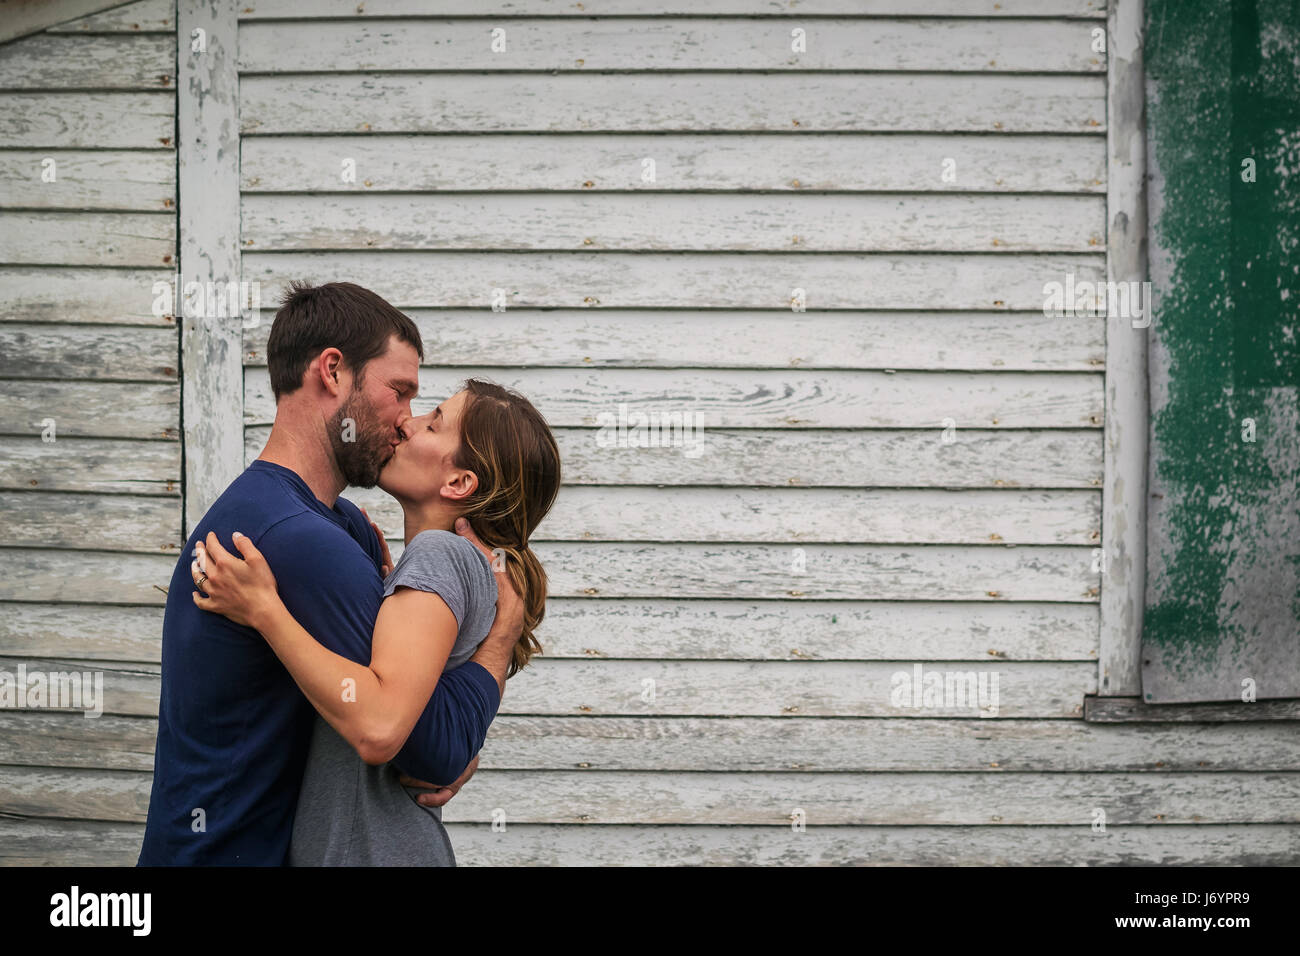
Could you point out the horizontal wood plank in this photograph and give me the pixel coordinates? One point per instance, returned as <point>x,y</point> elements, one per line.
<point>795,689</point>
<point>755,799</point>
<point>611,399</point>
<point>45,739</point>
<point>1134,710</point>
<point>50,61</point>
<point>118,688</point>
<point>590,628</point>
<point>86,843</point>
<point>62,843</point>
<point>88,238</point>
<point>854,459</point>
<point>87,353</point>
<point>89,410</point>
<point>610,338</point>
<point>1181,845</point>
<point>713,688</point>
<point>90,120</point>
<point>105,466</point>
<point>81,631</point>
<point>665,44</point>
<point>129,180</point>
<point>840,162</point>
<point>91,296</point>
<point>143,16</point>
<point>349,9</point>
<point>773,515</point>
<point>105,522</point>
<point>678,744</point>
<point>667,223</point>
<point>84,577</point>
<point>754,280</point>
<point>688,102</point>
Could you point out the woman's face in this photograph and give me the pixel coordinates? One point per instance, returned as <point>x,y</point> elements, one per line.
<point>422,464</point>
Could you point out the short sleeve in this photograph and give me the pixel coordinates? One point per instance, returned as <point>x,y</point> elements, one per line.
<point>440,563</point>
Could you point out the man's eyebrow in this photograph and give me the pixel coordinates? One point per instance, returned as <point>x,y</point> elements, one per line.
<point>406,385</point>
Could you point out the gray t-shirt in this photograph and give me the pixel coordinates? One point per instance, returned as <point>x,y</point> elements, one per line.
<point>353,814</point>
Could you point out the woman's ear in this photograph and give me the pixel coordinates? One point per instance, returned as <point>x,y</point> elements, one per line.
<point>460,485</point>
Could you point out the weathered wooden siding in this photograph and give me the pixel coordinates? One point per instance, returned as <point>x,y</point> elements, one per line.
<point>830,535</point>
<point>80,346</point>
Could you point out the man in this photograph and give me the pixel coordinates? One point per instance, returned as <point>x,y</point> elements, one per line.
<point>233,728</point>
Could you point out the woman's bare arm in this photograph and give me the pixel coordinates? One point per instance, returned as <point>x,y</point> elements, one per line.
<point>373,707</point>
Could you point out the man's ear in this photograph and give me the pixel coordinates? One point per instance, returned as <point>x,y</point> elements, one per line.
<point>327,368</point>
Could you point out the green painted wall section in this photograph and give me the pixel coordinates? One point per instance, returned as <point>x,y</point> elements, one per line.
<point>1223,599</point>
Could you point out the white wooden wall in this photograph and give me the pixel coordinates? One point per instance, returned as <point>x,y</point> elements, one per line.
<point>823,171</point>
<point>91,523</point>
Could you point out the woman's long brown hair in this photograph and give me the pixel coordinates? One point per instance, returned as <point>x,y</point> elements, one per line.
<point>506,442</point>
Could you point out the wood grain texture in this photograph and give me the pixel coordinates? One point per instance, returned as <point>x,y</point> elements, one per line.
<point>282,9</point>
<point>143,16</point>
<point>590,628</point>
<point>792,688</point>
<point>845,459</point>
<point>756,280</point>
<point>124,180</point>
<point>208,182</point>
<point>763,399</point>
<point>707,688</point>
<point>664,44</point>
<point>82,631</point>
<point>769,744</point>
<point>88,238</point>
<point>130,689</point>
<point>105,466</point>
<point>595,162</point>
<point>87,353</point>
<point>90,296</point>
<point>86,843</point>
<point>616,338</point>
<point>461,103</point>
<point>794,515</point>
<point>662,223</point>
<point>88,120</point>
<point>754,799</point>
<point>106,522</point>
<point>84,577</point>
<point>89,410</point>
<point>117,62</point>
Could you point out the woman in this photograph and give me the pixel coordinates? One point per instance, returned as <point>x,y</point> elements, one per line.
<point>485,454</point>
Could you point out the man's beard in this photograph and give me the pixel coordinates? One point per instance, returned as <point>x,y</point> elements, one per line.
<point>362,459</point>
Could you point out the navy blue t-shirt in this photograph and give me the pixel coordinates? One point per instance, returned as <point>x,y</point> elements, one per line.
<point>233,727</point>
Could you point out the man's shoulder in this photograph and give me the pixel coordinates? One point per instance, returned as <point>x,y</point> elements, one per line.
<point>251,504</point>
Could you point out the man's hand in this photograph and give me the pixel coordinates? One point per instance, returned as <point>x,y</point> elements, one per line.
<point>440,795</point>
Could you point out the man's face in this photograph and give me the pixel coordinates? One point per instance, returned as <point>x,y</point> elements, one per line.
<point>376,408</point>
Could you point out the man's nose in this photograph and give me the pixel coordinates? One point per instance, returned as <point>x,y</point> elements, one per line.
<point>402,423</point>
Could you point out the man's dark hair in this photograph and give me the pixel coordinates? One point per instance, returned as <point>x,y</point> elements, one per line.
<point>338,315</point>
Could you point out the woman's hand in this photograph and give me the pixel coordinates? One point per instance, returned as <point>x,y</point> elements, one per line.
<point>243,591</point>
<point>387,565</point>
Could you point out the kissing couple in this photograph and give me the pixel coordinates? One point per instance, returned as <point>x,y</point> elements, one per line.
<point>311,688</point>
